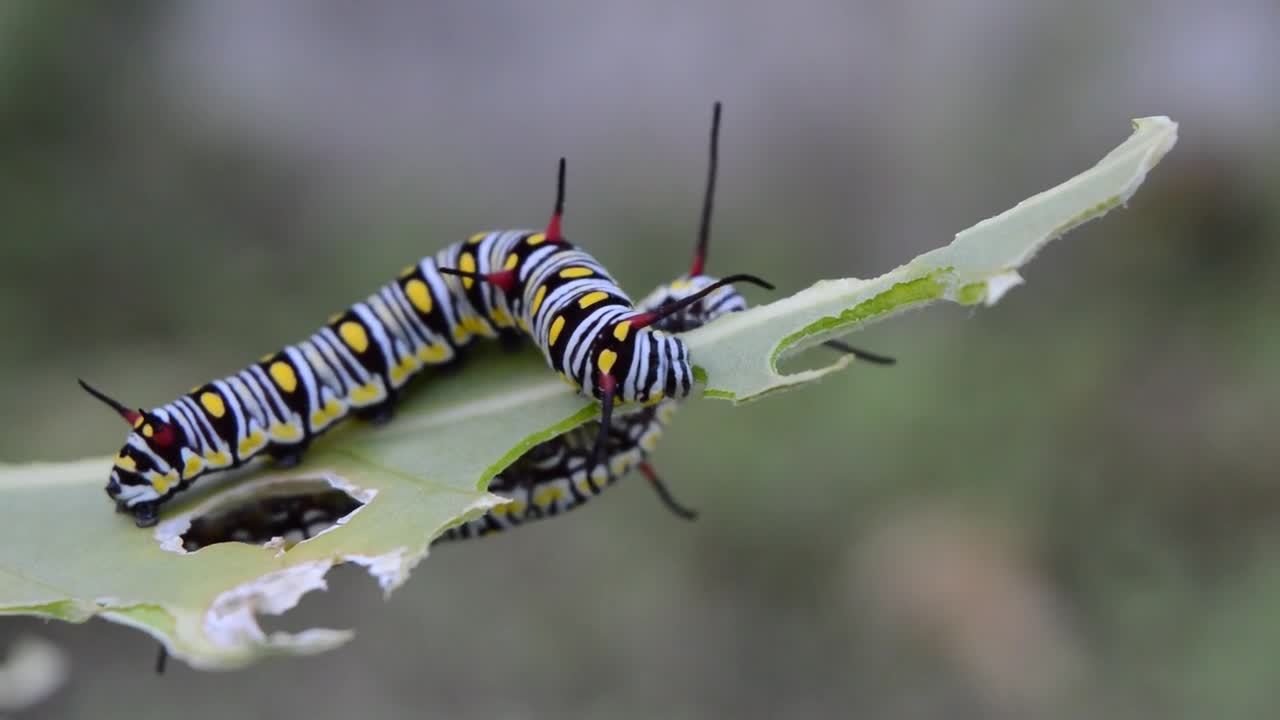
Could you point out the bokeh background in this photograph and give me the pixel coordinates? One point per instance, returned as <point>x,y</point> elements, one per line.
<point>1064,506</point>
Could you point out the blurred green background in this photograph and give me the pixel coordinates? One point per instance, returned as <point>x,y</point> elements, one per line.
<point>1062,506</point>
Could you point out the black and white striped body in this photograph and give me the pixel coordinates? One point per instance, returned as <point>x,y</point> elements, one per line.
<point>360,360</point>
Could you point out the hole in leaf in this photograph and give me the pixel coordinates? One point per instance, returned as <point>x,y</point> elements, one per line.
<point>293,511</point>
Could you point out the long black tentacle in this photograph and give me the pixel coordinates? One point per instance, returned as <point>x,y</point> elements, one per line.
<point>664,494</point>
<point>860,354</point>
<point>648,318</point>
<point>704,227</point>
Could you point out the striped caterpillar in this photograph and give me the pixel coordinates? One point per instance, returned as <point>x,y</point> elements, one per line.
<point>493,284</point>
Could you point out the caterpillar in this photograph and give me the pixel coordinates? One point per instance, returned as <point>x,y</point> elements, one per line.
<point>492,285</point>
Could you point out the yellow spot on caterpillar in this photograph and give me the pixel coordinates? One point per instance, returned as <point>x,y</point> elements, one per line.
<point>460,334</point>
<point>193,466</point>
<point>400,373</point>
<point>124,462</point>
<point>407,271</point>
<point>575,272</point>
<point>434,355</point>
<point>591,299</point>
<point>419,295</point>
<point>354,335</point>
<point>334,318</point>
<point>500,318</point>
<point>162,483</point>
<point>212,402</point>
<point>679,284</point>
<point>557,325</point>
<point>467,263</point>
<point>285,432</point>
<point>650,441</point>
<point>500,510</point>
<point>264,358</point>
<point>547,496</point>
<point>512,261</point>
<point>606,360</point>
<point>522,323</point>
<point>477,325</point>
<point>655,398</point>
<point>515,507</point>
<point>568,381</point>
<point>283,375</point>
<point>666,412</point>
<point>137,422</point>
<point>537,238</point>
<point>322,416</point>
<point>475,239</point>
<point>538,297</point>
<point>366,394</point>
<point>252,443</point>
<point>621,329</point>
<point>217,459</point>
<point>619,464</point>
<point>148,431</point>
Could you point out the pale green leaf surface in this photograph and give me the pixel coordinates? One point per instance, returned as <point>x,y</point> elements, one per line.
<point>65,555</point>
<point>738,354</point>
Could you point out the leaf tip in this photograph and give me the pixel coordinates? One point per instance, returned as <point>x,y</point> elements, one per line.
<point>998,285</point>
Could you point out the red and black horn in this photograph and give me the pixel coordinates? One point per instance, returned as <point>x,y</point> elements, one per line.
<point>130,416</point>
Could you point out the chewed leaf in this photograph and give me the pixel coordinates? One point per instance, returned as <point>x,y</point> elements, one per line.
<point>738,355</point>
<point>67,556</point>
<point>383,493</point>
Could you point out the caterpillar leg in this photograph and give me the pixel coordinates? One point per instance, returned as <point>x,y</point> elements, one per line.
<point>145,514</point>
<point>379,414</point>
<point>162,659</point>
<point>664,494</point>
<point>512,341</point>
<point>287,456</point>
<point>608,386</point>
<point>532,511</point>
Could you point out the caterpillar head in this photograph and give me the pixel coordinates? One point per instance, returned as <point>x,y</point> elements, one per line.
<point>637,363</point>
<point>722,301</point>
<point>658,363</point>
<point>636,359</point>
<point>147,468</point>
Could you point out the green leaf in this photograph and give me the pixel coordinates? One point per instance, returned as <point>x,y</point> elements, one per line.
<point>738,355</point>
<point>67,556</point>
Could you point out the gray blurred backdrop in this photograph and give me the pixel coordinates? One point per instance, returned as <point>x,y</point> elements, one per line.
<point>1064,506</point>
